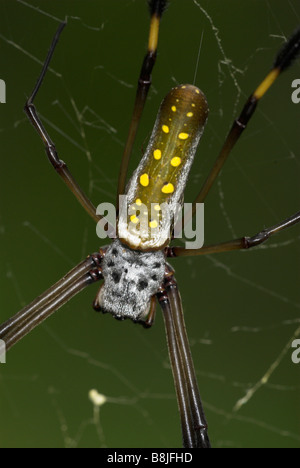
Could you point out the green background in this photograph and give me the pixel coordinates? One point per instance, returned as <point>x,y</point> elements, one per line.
<point>242,309</point>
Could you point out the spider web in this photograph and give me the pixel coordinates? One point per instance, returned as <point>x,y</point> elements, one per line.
<point>241,308</point>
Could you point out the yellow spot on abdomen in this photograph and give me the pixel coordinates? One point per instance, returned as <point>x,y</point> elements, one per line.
<point>173,108</point>
<point>189,114</point>
<point>175,161</point>
<point>157,154</point>
<point>165,129</point>
<point>153,224</point>
<point>134,219</point>
<point>168,188</point>
<point>183,136</point>
<point>138,201</point>
<point>144,180</point>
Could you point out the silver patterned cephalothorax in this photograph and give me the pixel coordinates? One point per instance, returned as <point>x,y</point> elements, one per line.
<point>134,264</point>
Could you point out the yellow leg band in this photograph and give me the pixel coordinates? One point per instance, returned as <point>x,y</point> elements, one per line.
<point>267,83</point>
<point>153,34</point>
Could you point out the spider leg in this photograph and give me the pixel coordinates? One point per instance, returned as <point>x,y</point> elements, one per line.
<point>193,422</point>
<point>179,379</point>
<point>84,274</point>
<point>236,244</point>
<point>289,52</point>
<point>59,165</point>
<point>157,8</point>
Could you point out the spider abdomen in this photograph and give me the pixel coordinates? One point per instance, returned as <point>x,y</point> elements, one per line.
<point>156,187</point>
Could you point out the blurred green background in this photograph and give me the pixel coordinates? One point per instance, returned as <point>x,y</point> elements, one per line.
<point>242,309</point>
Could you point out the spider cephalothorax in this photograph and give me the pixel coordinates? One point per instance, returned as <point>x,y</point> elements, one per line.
<point>131,278</point>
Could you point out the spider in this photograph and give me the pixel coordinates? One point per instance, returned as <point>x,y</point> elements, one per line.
<point>168,296</point>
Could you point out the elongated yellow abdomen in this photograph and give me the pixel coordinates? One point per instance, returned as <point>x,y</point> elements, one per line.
<point>158,183</point>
